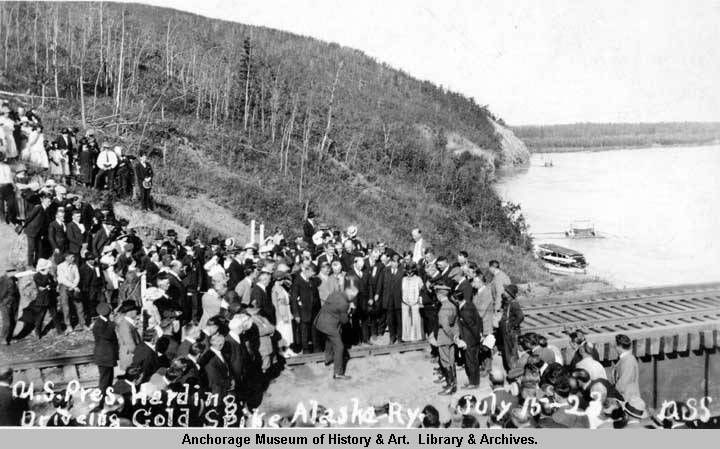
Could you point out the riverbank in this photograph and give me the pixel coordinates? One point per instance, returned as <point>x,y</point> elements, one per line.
<point>593,149</point>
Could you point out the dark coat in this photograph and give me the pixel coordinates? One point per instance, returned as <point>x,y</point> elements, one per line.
<point>99,241</point>
<point>46,287</point>
<point>376,272</point>
<point>107,348</point>
<point>9,292</point>
<point>333,314</point>
<point>217,373</point>
<point>304,299</point>
<point>57,236</point>
<point>236,273</point>
<point>90,280</point>
<point>237,357</point>
<point>471,326</point>
<point>142,172</point>
<point>260,299</point>
<point>37,221</point>
<point>465,290</point>
<point>11,408</point>
<point>308,231</point>
<point>362,282</point>
<point>147,360</point>
<point>75,237</point>
<point>512,317</point>
<point>391,288</point>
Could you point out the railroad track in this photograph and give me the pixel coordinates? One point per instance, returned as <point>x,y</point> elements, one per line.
<point>673,318</point>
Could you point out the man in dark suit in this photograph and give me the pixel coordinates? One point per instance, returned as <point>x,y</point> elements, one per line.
<point>444,269</point>
<point>309,230</point>
<point>107,349</point>
<point>76,234</point>
<point>9,302</point>
<point>464,289</point>
<point>217,371</point>
<point>305,304</point>
<point>509,327</point>
<point>36,229</point>
<point>375,319</point>
<point>91,284</point>
<point>57,235</point>
<point>101,238</point>
<point>391,297</point>
<point>65,142</point>
<point>143,178</point>
<point>471,332</point>
<point>259,297</point>
<point>360,278</point>
<point>332,315</point>
<point>328,256</point>
<point>145,356</point>
<point>11,407</point>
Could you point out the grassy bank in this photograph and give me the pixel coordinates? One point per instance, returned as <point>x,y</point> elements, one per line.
<point>612,136</point>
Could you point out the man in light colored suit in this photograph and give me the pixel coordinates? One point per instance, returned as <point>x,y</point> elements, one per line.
<point>626,371</point>
<point>128,335</point>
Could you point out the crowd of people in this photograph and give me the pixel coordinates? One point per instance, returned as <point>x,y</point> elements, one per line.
<point>223,317</point>
<point>29,157</point>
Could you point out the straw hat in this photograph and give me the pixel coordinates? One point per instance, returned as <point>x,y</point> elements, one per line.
<point>43,264</point>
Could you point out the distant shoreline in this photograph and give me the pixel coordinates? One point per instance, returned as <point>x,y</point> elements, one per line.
<point>576,149</point>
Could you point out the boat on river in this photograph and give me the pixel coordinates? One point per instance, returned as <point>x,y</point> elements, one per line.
<point>582,229</point>
<point>560,260</point>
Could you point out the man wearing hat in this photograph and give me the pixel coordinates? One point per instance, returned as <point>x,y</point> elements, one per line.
<point>128,335</point>
<point>309,229</point>
<point>102,237</point>
<point>36,228</point>
<point>509,327</point>
<point>636,413</point>
<point>143,178</point>
<point>305,304</point>
<point>106,351</point>
<point>447,336</point>
<point>106,162</point>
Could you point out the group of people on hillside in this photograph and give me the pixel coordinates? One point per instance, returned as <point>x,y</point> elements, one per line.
<point>167,312</point>
<point>29,158</point>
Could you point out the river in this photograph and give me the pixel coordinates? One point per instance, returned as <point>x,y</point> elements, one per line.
<point>658,208</point>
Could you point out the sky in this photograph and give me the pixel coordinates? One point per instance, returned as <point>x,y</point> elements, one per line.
<point>531,61</point>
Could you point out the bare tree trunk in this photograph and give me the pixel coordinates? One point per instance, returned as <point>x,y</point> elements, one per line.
<point>321,148</point>
<point>121,64</point>
<point>55,67</point>
<point>303,154</point>
<point>247,93</point>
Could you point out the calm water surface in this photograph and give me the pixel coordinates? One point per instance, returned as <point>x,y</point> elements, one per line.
<point>658,208</point>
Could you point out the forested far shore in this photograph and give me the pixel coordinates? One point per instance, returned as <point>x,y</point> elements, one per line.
<point>608,136</point>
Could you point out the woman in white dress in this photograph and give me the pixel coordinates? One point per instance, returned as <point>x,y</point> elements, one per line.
<point>59,167</point>
<point>7,140</point>
<point>34,152</point>
<point>283,315</point>
<point>412,329</point>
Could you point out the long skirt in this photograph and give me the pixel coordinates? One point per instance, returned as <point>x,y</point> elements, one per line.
<point>412,326</point>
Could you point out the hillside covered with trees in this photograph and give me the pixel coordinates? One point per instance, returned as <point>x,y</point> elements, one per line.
<point>261,122</point>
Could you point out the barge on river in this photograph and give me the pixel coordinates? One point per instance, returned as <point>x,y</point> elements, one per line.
<point>560,260</point>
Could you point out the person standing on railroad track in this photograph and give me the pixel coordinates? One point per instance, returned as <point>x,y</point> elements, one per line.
<point>106,350</point>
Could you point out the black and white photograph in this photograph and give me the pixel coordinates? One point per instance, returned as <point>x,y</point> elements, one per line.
<point>384,214</point>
